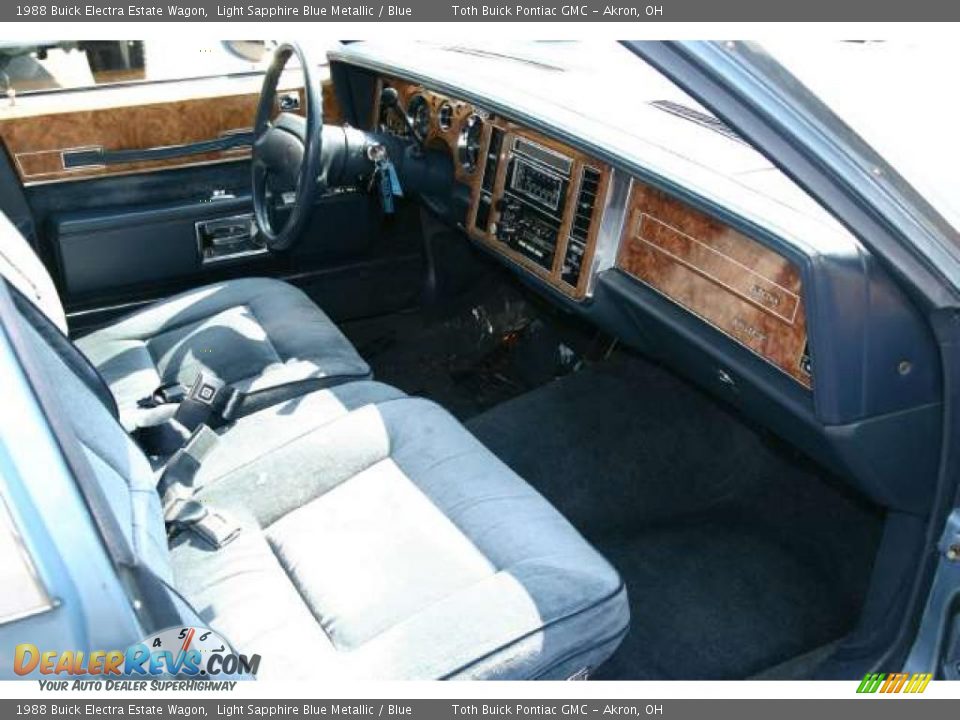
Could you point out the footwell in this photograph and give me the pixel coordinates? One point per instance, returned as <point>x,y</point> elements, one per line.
<point>737,554</point>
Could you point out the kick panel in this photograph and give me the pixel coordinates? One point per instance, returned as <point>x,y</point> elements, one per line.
<point>749,292</point>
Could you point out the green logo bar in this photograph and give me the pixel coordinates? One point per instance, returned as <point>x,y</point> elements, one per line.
<point>871,682</point>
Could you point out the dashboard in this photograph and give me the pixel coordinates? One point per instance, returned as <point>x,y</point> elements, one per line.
<point>664,229</point>
<point>541,205</point>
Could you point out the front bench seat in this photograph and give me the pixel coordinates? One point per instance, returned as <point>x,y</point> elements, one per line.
<point>392,545</point>
<point>253,333</point>
<point>380,540</point>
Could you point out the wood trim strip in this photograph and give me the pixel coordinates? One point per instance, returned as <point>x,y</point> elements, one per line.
<point>715,265</point>
<point>36,142</point>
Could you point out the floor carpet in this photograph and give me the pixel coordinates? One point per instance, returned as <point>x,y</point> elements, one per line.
<point>738,555</point>
<point>491,346</point>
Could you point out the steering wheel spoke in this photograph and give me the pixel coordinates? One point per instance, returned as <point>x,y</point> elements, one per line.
<point>296,125</point>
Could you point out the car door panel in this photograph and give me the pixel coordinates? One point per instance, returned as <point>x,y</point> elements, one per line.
<point>118,178</point>
<point>44,132</point>
<point>111,249</point>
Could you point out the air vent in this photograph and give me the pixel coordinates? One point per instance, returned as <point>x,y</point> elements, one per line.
<point>700,118</point>
<point>580,227</point>
<point>492,161</point>
<point>586,201</point>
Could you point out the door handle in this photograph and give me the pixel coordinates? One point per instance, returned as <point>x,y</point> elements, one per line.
<point>99,156</point>
<point>289,102</point>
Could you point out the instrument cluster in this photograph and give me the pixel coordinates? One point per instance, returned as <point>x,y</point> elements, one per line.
<point>534,200</point>
<point>438,120</point>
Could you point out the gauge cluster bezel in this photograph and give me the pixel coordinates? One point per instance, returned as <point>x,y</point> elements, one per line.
<point>470,140</point>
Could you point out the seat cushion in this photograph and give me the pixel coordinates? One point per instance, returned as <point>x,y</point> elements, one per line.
<point>253,333</point>
<point>248,444</point>
<point>393,545</point>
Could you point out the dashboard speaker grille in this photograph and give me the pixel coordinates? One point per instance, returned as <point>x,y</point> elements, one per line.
<point>551,159</point>
<point>707,121</point>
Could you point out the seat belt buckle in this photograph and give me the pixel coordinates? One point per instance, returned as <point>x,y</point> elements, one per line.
<point>204,401</point>
<point>206,388</point>
<point>216,529</point>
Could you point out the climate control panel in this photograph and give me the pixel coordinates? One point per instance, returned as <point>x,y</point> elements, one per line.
<point>528,231</point>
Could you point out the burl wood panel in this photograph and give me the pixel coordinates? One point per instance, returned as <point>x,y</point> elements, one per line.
<point>36,142</point>
<point>747,291</point>
<point>332,112</point>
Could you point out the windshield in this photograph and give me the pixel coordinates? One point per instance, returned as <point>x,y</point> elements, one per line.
<point>899,97</point>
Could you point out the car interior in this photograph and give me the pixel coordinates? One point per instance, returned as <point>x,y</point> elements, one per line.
<point>410,355</point>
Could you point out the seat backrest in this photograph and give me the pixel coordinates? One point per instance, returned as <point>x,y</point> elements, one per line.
<point>22,268</point>
<point>117,463</point>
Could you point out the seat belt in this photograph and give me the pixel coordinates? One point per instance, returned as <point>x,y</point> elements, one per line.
<point>207,403</point>
<point>167,394</point>
<point>212,526</point>
<point>181,511</point>
<point>212,402</point>
<point>180,471</point>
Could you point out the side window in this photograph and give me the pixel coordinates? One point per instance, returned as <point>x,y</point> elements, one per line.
<point>84,64</point>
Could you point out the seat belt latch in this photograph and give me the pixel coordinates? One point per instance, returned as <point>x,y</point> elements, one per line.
<point>185,463</point>
<point>168,394</point>
<point>212,526</point>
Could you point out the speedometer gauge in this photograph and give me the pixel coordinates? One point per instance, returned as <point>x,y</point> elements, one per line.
<point>468,143</point>
<point>419,112</point>
<point>445,116</point>
<point>184,651</point>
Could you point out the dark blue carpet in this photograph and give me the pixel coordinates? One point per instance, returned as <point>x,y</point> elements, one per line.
<point>738,554</point>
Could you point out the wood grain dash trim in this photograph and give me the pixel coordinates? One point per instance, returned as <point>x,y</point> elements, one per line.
<point>744,289</point>
<point>37,142</point>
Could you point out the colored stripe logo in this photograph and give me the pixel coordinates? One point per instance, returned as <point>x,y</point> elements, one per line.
<point>894,683</point>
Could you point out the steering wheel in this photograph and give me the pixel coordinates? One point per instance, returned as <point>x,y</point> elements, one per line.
<point>286,153</point>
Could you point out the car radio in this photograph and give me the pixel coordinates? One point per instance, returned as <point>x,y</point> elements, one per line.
<point>534,197</point>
